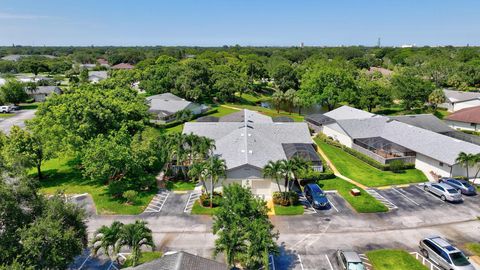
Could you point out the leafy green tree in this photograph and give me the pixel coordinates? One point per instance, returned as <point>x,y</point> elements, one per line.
<point>329,85</point>
<point>13,92</point>
<point>372,93</point>
<point>198,173</point>
<point>23,150</point>
<point>244,232</point>
<point>289,99</point>
<point>411,89</point>
<point>436,97</point>
<point>284,77</point>
<point>84,75</point>
<point>107,238</point>
<point>278,99</point>
<point>227,82</point>
<point>135,236</point>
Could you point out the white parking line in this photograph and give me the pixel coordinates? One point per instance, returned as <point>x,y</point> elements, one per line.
<point>300,261</point>
<point>382,199</point>
<point>329,263</point>
<point>333,205</point>
<point>405,196</point>
<point>431,194</point>
<point>313,208</point>
<point>190,202</point>
<point>88,257</point>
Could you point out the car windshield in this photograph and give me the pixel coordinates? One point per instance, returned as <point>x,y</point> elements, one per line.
<point>452,190</point>
<point>467,185</point>
<point>459,259</point>
<point>356,266</point>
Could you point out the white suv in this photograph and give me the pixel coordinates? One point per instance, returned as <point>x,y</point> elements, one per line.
<point>5,109</point>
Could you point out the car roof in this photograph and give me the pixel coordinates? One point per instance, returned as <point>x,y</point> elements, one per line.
<point>351,256</point>
<point>443,243</point>
<point>315,187</point>
<point>447,186</point>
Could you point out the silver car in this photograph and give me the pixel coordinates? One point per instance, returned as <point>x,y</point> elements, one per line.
<point>444,254</point>
<point>444,191</point>
<point>349,260</point>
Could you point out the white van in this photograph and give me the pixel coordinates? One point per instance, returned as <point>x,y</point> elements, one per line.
<point>5,109</point>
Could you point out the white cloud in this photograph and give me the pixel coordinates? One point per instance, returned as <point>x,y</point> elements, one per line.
<point>17,16</point>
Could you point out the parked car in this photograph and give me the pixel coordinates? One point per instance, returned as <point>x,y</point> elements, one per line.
<point>444,254</point>
<point>315,196</point>
<point>5,109</point>
<point>444,191</point>
<point>461,185</point>
<point>349,260</point>
<point>14,107</point>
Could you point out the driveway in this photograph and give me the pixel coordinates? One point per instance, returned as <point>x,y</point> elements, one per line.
<point>17,120</point>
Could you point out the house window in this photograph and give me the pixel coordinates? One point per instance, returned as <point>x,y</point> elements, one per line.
<point>441,164</point>
<point>472,124</point>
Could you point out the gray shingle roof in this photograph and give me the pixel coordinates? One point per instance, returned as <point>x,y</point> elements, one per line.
<point>457,96</point>
<point>319,119</point>
<point>254,141</point>
<point>47,90</point>
<point>346,112</point>
<point>437,146</point>
<point>167,102</point>
<point>181,261</point>
<point>101,75</point>
<point>425,121</point>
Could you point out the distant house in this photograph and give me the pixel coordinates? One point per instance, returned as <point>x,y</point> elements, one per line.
<point>164,106</point>
<point>181,261</point>
<point>457,100</point>
<point>248,140</point>
<point>17,57</point>
<point>42,92</point>
<point>123,66</point>
<point>386,139</point>
<point>97,76</point>
<point>87,66</point>
<point>103,62</point>
<point>465,119</point>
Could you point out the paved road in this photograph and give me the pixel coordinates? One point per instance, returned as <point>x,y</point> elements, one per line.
<point>308,241</point>
<point>17,120</point>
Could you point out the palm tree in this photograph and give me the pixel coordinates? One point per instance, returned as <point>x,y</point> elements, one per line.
<point>277,99</point>
<point>197,172</point>
<point>106,238</point>
<point>477,162</point>
<point>135,236</point>
<point>466,160</point>
<point>299,164</point>
<point>287,170</point>
<point>215,168</point>
<point>273,169</point>
<point>436,97</point>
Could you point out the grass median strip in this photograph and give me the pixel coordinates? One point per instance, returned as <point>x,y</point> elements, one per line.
<point>198,209</point>
<point>393,259</point>
<point>365,174</point>
<point>364,203</point>
<point>288,210</point>
<point>146,256</point>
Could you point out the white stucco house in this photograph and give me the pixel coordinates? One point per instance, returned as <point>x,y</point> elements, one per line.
<point>97,76</point>
<point>385,139</point>
<point>458,100</point>
<point>465,119</point>
<point>248,140</point>
<point>164,106</point>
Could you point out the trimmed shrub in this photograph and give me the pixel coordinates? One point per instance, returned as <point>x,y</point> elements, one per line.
<point>285,198</point>
<point>311,175</point>
<point>130,195</point>
<point>397,166</point>
<point>205,199</point>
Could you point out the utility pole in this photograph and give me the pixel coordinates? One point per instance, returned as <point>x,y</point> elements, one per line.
<point>379,42</point>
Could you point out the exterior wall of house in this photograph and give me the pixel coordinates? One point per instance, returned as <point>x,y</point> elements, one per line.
<point>38,97</point>
<point>195,108</point>
<point>427,165</point>
<point>459,170</point>
<point>466,104</point>
<point>337,135</point>
<point>463,125</point>
<point>447,105</point>
<point>315,128</point>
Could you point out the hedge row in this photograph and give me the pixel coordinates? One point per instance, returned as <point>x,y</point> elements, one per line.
<point>311,175</point>
<point>370,161</point>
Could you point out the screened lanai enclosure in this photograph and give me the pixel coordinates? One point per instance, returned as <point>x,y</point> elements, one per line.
<point>305,151</point>
<point>383,150</point>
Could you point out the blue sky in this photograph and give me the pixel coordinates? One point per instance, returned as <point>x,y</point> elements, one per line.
<point>244,22</point>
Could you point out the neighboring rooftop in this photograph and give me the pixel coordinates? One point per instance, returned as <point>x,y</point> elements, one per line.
<point>383,71</point>
<point>458,96</point>
<point>181,261</point>
<point>99,75</point>
<point>440,147</point>
<point>347,112</point>
<point>467,115</point>
<point>46,90</point>
<point>254,141</point>
<point>16,57</point>
<point>282,119</point>
<point>123,66</point>
<point>425,121</point>
<point>167,103</point>
<point>319,119</point>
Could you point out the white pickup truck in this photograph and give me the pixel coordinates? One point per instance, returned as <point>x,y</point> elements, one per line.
<point>5,109</point>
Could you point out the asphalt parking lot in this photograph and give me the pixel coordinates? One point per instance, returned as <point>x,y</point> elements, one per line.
<point>17,120</point>
<point>337,205</point>
<point>324,261</point>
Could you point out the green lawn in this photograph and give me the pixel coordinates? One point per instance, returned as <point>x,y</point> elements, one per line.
<point>363,173</point>
<point>180,185</point>
<point>288,210</point>
<point>61,175</point>
<point>398,110</point>
<point>198,209</point>
<point>391,259</point>
<point>473,248</point>
<point>29,106</point>
<point>252,98</point>
<point>270,112</point>
<point>6,115</point>
<point>147,256</point>
<point>364,203</point>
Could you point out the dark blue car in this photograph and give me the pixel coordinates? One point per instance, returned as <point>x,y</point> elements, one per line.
<point>462,186</point>
<point>316,196</point>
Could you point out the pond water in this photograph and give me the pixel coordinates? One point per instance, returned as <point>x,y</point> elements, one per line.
<point>317,108</point>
